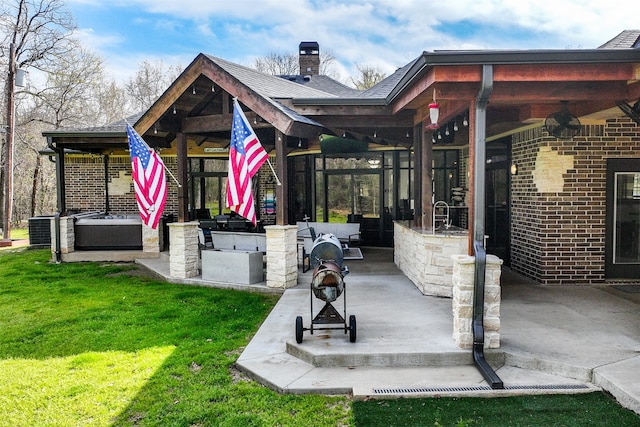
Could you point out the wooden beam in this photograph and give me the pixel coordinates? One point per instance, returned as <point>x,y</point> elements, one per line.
<point>470,173</point>
<point>183,194</point>
<point>282,192</point>
<point>563,72</point>
<point>448,80</point>
<point>162,105</point>
<point>248,97</point>
<point>427,183</point>
<point>528,92</point>
<point>419,88</point>
<point>204,124</point>
<point>388,121</point>
<point>633,92</point>
<point>339,110</point>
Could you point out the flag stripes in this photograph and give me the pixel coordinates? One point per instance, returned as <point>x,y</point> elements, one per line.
<point>148,177</point>
<point>246,155</point>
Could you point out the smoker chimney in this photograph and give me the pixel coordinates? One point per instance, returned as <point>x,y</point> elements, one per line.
<point>309,58</point>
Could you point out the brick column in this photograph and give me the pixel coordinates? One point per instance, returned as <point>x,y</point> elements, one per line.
<point>183,249</point>
<point>282,259</point>
<point>462,304</point>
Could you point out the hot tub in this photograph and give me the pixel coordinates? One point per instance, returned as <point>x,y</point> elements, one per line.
<point>108,232</point>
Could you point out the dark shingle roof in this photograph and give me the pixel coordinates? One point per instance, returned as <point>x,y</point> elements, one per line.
<point>267,85</point>
<point>325,84</point>
<point>628,39</point>
<point>386,86</point>
<point>115,127</point>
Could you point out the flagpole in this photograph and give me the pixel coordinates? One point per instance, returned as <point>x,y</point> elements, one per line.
<point>171,175</point>
<point>274,172</point>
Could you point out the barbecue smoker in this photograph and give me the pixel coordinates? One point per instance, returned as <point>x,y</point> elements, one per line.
<point>327,284</point>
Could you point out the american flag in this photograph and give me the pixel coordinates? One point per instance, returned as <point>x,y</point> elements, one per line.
<point>148,179</point>
<point>246,155</point>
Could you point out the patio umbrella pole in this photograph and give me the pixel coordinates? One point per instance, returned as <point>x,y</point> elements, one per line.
<point>478,226</point>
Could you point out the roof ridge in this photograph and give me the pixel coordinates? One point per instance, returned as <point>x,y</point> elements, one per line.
<point>260,81</point>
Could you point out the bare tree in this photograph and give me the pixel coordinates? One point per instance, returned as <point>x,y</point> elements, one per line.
<point>278,64</point>
<point>112,103</point>
<point>35,33</point>
<point>327,59</point>
<point>288,64</point>
<point>69,96</point>
<point>369,77</point>
<point>39,29</point>
<point>149,82</point>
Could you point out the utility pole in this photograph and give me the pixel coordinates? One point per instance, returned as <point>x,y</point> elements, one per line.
<point>8,149</point>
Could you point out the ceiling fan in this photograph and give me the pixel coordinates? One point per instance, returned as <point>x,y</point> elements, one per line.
<point>632,111</point>
<point>562,124</point>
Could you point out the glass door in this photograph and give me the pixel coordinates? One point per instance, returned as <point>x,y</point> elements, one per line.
<point>355,197</point>
<point>623,219</point>
<point>497,213</point>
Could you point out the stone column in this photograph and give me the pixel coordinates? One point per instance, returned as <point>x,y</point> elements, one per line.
<point>183,249</point>
<point>462,304</point>
<point>67,235</point>
<point>282,259</point>
<point>151,238</point>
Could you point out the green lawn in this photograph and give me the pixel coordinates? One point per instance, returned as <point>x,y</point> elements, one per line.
<point>101,344</point>
<point>577,410</point>
<point>97,344</point>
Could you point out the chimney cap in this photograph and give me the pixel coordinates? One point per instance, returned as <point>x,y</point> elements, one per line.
<point>309,48</point>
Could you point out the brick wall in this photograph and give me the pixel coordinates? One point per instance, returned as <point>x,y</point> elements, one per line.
<point>85,185</point>
<point>559,201</point>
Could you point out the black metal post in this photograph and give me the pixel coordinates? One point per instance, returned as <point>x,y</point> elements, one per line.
<point>478,226</point>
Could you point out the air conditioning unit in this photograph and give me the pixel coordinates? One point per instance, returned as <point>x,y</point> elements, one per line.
<point>40,230</point>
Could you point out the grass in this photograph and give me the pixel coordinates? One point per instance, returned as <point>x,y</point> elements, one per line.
<point>104,345</point>
<point>19,233</point>
<point>99,344</point>
<point>578,410</point>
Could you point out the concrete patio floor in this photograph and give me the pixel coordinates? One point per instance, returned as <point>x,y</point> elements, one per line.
<point>554,339</point>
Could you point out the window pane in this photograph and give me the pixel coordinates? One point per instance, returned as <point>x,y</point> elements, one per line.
<point>627,219</point>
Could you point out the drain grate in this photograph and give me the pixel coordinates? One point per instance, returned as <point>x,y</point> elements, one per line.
<point>629,288</point>
<point>408,390</point>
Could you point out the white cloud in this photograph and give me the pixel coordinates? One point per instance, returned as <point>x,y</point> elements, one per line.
<point>383,33</point>
<point>97,42</point>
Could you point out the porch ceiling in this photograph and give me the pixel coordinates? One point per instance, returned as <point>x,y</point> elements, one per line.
<point>524,93</point>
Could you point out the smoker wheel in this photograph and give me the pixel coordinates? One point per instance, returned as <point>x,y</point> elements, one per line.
<point>299,329</point>
<point>352,328</point>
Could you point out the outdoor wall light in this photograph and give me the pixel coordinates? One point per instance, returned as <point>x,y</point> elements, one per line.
<point>514,169</point>
<point>465,121</point>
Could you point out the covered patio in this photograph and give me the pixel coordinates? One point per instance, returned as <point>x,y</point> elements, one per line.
<point>505,176</point>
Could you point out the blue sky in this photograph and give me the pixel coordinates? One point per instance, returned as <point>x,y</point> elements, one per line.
<point>381,33</point>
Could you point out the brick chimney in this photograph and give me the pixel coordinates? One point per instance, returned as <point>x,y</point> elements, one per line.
<point>309,58</point>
